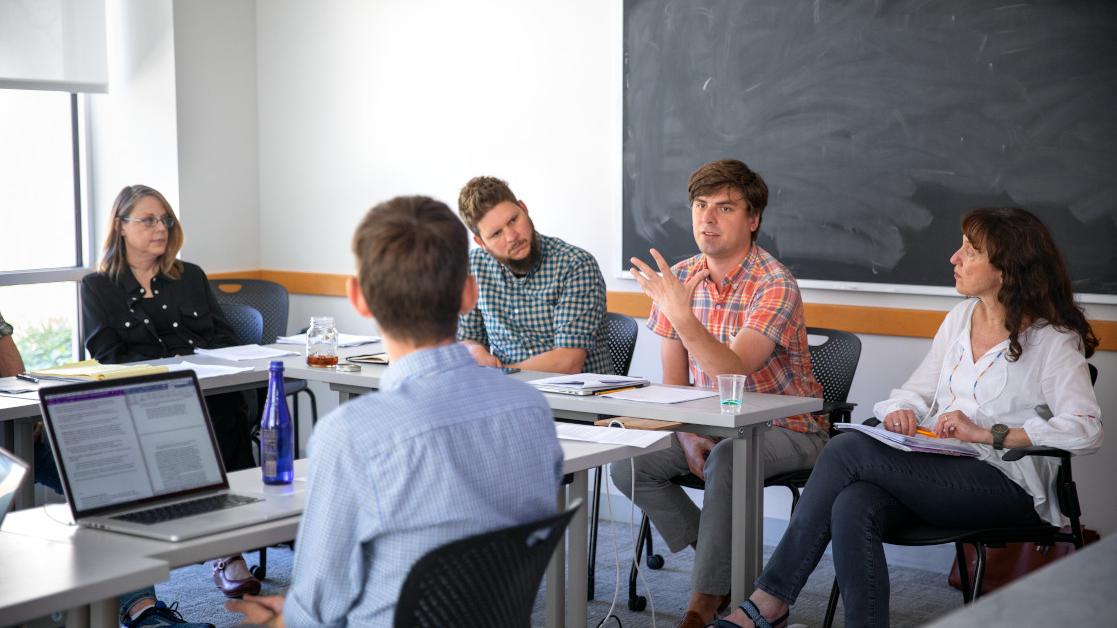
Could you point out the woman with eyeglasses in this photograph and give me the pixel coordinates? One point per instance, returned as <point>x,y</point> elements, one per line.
<point>145,304</point>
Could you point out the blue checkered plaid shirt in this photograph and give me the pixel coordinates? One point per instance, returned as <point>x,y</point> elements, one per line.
<point>561,303</point>
<point>446,449</point>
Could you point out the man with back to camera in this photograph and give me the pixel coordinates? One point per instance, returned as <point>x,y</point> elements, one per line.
<point>542,301</point>
<point>731,309</point>
<point>446,449</point>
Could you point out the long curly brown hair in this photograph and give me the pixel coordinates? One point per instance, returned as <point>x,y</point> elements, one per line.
<point>1035,288</point>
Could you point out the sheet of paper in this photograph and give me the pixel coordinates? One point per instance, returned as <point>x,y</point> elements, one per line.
<point>245,352</point>
<point>945,446</point>
<point>94,370</point>
<point>610,435</point>
<point>208,370</point>
<point>662,394</point>
<point>343,340</point>
<point>20,393</point>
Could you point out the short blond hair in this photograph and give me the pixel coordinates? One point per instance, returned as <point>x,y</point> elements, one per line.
<point>479,196</point>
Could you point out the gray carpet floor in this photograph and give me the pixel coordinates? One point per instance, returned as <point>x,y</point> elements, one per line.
<point>917,597</point>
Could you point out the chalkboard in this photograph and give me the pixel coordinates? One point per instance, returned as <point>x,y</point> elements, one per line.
<point>877,125</point>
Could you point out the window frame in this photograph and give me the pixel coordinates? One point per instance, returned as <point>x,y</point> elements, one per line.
<point>83,223</point>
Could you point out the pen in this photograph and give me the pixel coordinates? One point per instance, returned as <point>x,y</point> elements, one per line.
<point>27,378</point>
<point>606,392</point>
<point>926,432</point>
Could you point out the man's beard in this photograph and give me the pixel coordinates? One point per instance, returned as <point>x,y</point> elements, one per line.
<point>524,266</point>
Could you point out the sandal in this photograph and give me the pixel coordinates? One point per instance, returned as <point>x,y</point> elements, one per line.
<point>758,620</point>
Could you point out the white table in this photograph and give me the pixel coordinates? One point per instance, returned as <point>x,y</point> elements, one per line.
<point>108,564</point>
<point>69,567</point>
<point>703,416</point>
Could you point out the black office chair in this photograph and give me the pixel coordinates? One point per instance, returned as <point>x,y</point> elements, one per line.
<point>621,332</point>
<point>920,534</point>
<point>273,303</point>
<point>485,581</point>
<point>246,321</point>
<point>834,363</point>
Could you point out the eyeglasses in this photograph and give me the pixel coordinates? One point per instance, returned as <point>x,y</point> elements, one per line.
<point>149,222</point>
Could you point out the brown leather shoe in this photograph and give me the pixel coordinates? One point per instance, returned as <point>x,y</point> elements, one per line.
<point>231,587</point>
<point>691,620</point>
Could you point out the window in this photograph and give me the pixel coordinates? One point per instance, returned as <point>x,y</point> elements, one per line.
<point>42,250</point>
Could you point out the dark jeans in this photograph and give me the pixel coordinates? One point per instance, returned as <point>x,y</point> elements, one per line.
<point>232,415</point>
<point>859,489</point>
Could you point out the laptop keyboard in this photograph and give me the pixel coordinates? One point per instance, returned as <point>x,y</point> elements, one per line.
<point>187,509</point>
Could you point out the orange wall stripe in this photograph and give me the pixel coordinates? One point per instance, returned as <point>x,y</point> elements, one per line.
<point>881,321</point>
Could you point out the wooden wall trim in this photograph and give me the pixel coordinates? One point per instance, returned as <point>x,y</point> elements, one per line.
<point>881,321</point>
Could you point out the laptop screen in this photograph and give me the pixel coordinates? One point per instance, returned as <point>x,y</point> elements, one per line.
<point>124,441</point>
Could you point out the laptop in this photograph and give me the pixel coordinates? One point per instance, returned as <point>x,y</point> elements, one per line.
<point>12,473</point>
<point>138,455</point>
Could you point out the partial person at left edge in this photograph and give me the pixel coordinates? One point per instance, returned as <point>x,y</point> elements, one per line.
<point>145,304</point>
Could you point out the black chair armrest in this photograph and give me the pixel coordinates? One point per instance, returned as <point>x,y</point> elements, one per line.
<point>838,411</point>
<point>871,421</point>
<point>1012,455</point>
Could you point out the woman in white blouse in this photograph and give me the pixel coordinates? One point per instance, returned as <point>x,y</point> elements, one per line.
<point>1007,369</point>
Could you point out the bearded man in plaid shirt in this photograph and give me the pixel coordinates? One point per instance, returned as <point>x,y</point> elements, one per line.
<point>542,301</point>
<point>731,309</point>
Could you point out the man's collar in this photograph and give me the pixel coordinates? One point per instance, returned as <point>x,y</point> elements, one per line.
<point>426,360</point>
<point>737,274</point>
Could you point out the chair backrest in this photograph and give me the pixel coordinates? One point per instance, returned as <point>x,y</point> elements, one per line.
<point>246,321</point>
<point>622,331</point>
<point>489,580</point>
<point>268,297</point>
<point>834,362</point>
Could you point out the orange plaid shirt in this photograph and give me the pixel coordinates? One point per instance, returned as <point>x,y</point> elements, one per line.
<point>761,295</point>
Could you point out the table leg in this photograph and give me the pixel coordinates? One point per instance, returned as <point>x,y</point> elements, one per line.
<point>576,578</point>
<point>748,511</point>
<point>556,569</point>
<point>23,446</point>
<point>104,613</point>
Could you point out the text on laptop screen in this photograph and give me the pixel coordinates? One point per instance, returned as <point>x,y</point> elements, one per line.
<point>134,441</point>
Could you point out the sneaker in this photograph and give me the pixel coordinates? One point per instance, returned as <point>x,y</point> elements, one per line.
<point>162,615</point>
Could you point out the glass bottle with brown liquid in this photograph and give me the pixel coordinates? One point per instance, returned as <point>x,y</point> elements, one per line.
<point>321,342</point>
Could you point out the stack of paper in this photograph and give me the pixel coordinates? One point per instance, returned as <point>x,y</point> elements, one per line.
<point>663,394</point>
<point>343,340</point>
<point>94,370</point>
<point>609,435</point>
<point>922,444</point>
<point>208,370</point>
<point>244,352</point>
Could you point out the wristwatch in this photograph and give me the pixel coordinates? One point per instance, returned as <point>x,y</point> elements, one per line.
<point>1000,430</point>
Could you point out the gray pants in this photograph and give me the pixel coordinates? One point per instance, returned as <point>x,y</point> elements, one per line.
<point>681,522</point>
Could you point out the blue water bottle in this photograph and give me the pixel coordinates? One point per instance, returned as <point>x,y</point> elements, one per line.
<point>277,446</point>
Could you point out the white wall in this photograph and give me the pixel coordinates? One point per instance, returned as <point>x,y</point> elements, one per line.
<point>133,131</point>
<point>215,79</point>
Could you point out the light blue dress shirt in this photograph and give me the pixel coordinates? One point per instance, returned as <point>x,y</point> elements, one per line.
<point>446,449</point>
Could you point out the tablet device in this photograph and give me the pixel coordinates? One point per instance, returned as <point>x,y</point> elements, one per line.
<point>13,472</point>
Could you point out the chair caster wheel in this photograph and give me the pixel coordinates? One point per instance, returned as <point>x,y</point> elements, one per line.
<point>259,572</point>
<point>655,561</point>
<point>637,604</point>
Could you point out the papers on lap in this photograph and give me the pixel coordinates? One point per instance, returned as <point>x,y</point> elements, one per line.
<point>244,352</point>
<point>922,444</point>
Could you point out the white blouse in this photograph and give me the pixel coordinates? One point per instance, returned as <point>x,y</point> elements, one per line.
<point>1047,392</point>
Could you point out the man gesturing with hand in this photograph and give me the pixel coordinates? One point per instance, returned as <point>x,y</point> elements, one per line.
<point>731,309</point>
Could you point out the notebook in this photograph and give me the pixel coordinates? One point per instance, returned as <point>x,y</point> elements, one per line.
<point>139,456</point>
<point>587,383</point>
<point>94,370</point>
<point>12,473</point>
